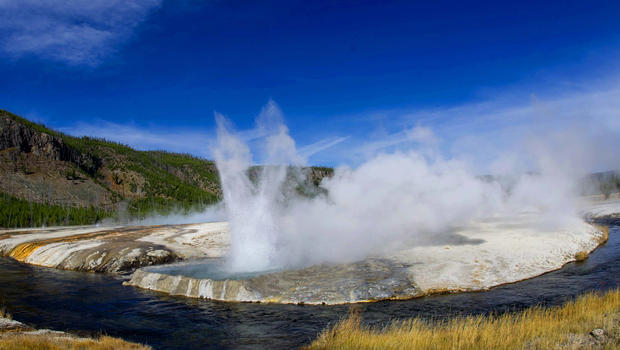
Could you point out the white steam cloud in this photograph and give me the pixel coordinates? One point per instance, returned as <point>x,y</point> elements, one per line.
<point>254,207</point>
<point>390,200</point>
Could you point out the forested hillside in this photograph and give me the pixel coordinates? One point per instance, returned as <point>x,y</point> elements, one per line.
<point>58,172</point>
<point>50,178</point>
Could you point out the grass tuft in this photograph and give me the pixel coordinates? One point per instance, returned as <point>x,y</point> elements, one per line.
<point>581,256</point>
<point>535,328</point>
<point>53,342</point>
<point>4,313</point>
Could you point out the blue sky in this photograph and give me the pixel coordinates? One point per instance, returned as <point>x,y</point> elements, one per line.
<point>352,78</point>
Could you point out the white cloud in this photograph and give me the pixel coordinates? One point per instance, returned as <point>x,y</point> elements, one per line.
<point>485,133</point>
<point>76,32</point>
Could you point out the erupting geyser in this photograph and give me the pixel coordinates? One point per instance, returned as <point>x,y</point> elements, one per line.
<point>401,224</point>
<point>396,198</point>
<point>253,204</point>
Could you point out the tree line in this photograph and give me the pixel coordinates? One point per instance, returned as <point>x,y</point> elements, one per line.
<point>16,212</point>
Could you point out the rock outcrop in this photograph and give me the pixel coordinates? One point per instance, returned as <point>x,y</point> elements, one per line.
<point>27,140</point>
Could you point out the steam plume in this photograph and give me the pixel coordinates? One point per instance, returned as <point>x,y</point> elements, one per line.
<point>390,200</point>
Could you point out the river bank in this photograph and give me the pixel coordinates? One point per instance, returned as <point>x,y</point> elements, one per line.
<point>15,335</point>
<point>90,304</point>
<point>592,321</point>
<point>474,257</point>
<point>114,249</point>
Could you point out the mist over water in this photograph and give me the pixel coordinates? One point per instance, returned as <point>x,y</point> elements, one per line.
<point>389,200</point>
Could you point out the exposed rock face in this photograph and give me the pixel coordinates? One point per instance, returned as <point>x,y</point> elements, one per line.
<point>27,140</point>
<point>115,249</point>
<point>14,134</point>
<point>317,174</point>
<point>37,166</point>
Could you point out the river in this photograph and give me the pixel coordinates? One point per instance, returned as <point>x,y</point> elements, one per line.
<point>92,304</point>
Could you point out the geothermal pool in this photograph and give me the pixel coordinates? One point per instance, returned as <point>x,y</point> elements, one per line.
<point>472,257</point>
<point>93,303</point>
<point>205,268</point>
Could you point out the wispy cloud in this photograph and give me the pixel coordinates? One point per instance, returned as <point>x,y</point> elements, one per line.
<point>182,140</point>
<point>422,138</point>
<point>146,138</point>
<point>77,32</point>
<point>319,146</point>
<point>483,132</point>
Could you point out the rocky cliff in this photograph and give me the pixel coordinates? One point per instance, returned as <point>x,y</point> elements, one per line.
<point>19,137</point>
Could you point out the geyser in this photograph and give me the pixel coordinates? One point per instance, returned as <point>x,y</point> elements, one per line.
<point>401,224</point>
<point>403,198</point>
<point>254,205</point>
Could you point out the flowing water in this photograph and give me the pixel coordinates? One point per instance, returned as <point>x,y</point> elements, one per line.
<point>94,304</point>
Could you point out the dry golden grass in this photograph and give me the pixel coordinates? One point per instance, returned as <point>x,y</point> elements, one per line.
<point>17,339</point>
<point>581,256</point>
<point>534,328</point>
<point>4,313</point>
<point>51,342</point>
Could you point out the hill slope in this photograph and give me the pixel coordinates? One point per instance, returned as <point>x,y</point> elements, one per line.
<point>41,165</point>
<point>62,179</point>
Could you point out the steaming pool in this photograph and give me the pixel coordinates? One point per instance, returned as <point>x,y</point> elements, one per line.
<point>205,268</point>
<point>93,303</point>
<point>473,257</point>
